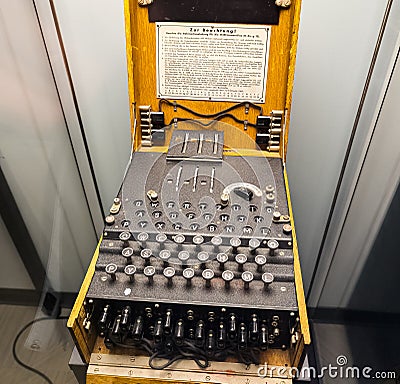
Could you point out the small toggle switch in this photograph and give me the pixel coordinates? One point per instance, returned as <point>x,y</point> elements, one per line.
<point>232,326</point>
<point>149,272</point>
<point>146,254</point>
<point>227,276</point>
<point>224,199</point>
<point>137,329</point>
<point>253,328</point>
<point>179,334</point>
<point>199,334</point>
<point>253,245</point>
<point>221,338</point>
<point>247,278</point>
<point>222,258</point>
<point>241,259</point>
<point>260,260</point>
<point>267,278</point>
<point>111,269</point>
<point>152,195</point>
<point>130,271</point>
<point>263,337</point>
<point>208,275</point>
<point>127,254</point>
<point>169,273</point>
<point>242,336</point>
<point>188,274</point>
<point>273,246</point>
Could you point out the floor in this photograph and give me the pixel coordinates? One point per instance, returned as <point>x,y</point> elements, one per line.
<point>46,345</point>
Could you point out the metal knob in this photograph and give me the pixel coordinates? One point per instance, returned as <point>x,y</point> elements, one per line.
<point>145,254</point>
<point>224,199</point>
<point>130,271</point>
<point>184,256</point>
<point>241,259</point>
<point>169,273</point>
<point>227,276</point>
<point>260,260</point>
<point>127,254</point>
<point>203,258</point>
<point>267,278</point>
<point>142,238</point>
<point>164,256</point>
<point>235,242</point>
<point>179,239</point>
<point>216,241</point>
<point>198,240</point>
<point>247,278</point>
<point>188,274</point>
<point>161,238</point>
<point>253,245</point>
<point>208,275</point>
<point>222,258</point>
<point>273,246</point>
<point>125,237</point>
<point>149,272</point>
<point>111,269</point>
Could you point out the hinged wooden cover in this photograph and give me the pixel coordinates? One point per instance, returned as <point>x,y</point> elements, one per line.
<point>141,57</point>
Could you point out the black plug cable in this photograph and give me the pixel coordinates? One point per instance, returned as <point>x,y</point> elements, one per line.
<point>14,352</point>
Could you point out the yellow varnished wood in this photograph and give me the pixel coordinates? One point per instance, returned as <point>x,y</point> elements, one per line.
<point>142,71</point>
<point>301,301</point>
<point>290,81</point>
<point>83,340</point>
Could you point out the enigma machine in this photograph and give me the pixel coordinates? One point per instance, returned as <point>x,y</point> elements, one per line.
<point>198,262</point>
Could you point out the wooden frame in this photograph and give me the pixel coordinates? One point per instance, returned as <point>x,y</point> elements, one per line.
<point>123,367</point>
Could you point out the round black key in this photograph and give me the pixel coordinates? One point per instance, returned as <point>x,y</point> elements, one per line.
<point>273,246</point>
<point>267,278</point>
<point>198,239</point>
<point>247,278</point>
<point>216,241</point>
<point>130,271</point>
<point>222,258</point>
<point>149,272</point>
<point>260,260</point>
<point>203,256</point>
<point>254,244</point>
<point>164,256</point>
<point>241,259</point>
<point>169,273</point>
<point>161,238</point>
<point>188,274</point>
<point>183,256</point>
<point>208,275</point>
<point>142,237</point>
<point>125,236</point>
<point>227,276</point>
<point>127,253</point>
<point>235,242</point>
<point>179,239</point>
<point>110,270</point>
<point>145,254</point>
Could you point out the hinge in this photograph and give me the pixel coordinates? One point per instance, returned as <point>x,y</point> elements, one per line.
<point>269,130</point>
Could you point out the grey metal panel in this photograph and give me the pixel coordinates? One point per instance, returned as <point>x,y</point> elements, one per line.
<point>94,38</point>
<point>336,42</point>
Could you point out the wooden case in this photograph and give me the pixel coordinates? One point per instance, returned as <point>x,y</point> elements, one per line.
<point>125,366</point>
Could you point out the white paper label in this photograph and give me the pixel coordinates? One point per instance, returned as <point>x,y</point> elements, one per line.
<point>224,62</point>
